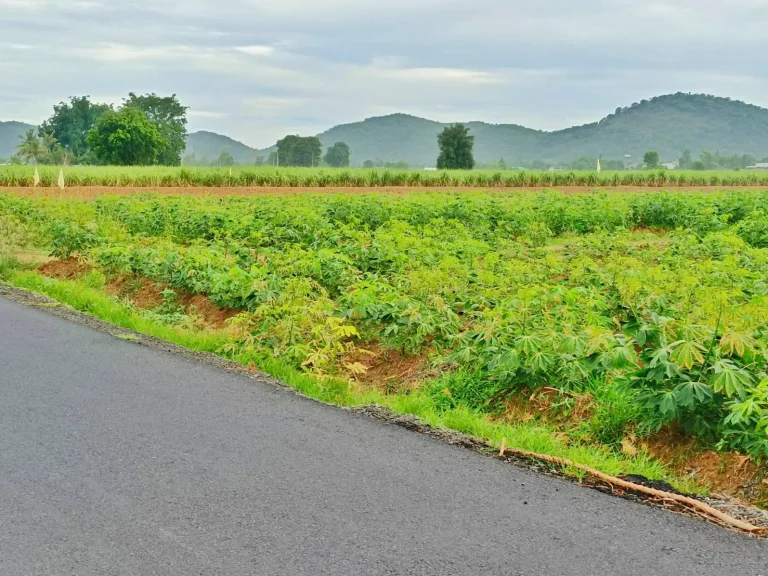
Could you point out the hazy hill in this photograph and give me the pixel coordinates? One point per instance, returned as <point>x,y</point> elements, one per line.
<point>669,124</point>
<point>208,145</point>
<point>9,137</point>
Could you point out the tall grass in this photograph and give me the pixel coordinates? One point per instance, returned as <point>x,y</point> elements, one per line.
<point>158,177</point>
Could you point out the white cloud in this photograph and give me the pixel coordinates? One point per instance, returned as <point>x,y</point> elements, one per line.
<point>23,4</point>
<point>268,103</point>
<point>206,114</point>
<point>255,50</point>
<point>257,70</point>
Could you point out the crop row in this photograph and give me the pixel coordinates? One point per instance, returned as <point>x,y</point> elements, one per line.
<point>14,176</point>
<point>505,294</point>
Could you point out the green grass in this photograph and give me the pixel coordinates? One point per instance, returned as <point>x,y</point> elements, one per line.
<point>164,176</point>
<point>533,437</point>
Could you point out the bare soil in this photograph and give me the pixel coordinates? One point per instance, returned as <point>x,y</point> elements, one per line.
<point>388,370</point>
<point>86,192</point>
<point>145,293</point>
<point>67,269</point>
<point>729,473</point>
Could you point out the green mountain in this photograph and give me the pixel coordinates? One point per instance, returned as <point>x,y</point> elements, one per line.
<point>669,124</point>
<point>9,137</point>
<point>206,146</point>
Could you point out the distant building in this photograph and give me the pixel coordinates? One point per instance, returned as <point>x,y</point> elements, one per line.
<point>430,168</point>
<point>669,165</point>
<point>758,166</point>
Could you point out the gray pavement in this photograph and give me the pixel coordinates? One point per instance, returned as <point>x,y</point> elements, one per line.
<point>119,459</point>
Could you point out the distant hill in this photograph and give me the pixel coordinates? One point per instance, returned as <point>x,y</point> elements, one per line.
<point>208,145</point>
<point>669,124</point>
<point>9,137</point>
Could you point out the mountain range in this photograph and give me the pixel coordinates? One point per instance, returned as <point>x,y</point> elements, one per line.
<point>669,124</point>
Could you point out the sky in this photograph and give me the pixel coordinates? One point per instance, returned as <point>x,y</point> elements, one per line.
<point>257,70</point>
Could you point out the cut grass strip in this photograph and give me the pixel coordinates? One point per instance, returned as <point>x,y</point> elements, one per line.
<point>532,437</point>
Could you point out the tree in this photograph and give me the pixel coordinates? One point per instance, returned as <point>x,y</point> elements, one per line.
<point>337,155</point>
<point>455,148</point>
<point>171,120</point>
<point>126,138</point>
<point>368,164</point>
<point>30,147</point>
<point>685,162</point>
<point>299,151</point>
<point>651,159</point>
<point>71,122</point>
<point>225,159</point>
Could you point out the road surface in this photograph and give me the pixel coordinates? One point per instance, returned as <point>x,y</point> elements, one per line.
<point>119,459</point>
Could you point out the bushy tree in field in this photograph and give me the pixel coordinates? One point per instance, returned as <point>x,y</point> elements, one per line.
<point>225,159</point>
<point>299,151</point>
<point>126,138</point>
<point>456,148</point>
<point>369,164</point>
<point>337,155</point>
<point>170,117</point>
<point>651,159</point>
<point>71,121</point>
<point>685,162</point>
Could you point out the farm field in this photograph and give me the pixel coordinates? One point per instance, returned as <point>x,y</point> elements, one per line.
<point>271,177</point>
<point>617,326</point>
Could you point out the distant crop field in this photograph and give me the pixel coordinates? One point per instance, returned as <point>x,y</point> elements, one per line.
<point>271,177</point>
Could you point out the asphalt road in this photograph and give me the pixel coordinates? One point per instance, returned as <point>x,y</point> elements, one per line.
<point>121,459</point>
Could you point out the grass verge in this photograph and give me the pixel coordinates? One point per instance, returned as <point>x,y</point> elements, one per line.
<point>531,437</point>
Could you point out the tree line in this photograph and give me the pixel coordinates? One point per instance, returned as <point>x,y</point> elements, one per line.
<point>143,130</point>
<point>150,129</point>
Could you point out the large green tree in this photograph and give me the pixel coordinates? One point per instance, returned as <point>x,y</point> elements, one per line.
<point>299,151</point>
<point>651,159</point>
<point>337,155</point>
<point>71,121</point>
<point>126,138</point>
<point>456,148</point>
<point>171,120</point>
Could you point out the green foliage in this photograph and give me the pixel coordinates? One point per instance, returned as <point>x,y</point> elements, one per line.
<point>170,117</point>
<point>506,294</point>
<point>651,159</point>
<point>30,148</point>
<point>299,151</point>
<point>455,145</point>
<point>126,138</point>
<point>72,121</point>
<point>337,155</point>
<point>225,159</point>
<point>271,176</point>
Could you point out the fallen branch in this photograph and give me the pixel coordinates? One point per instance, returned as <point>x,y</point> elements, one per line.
<point>701,507</point>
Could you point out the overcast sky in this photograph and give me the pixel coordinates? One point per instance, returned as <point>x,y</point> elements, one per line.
<point>257,69</point>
